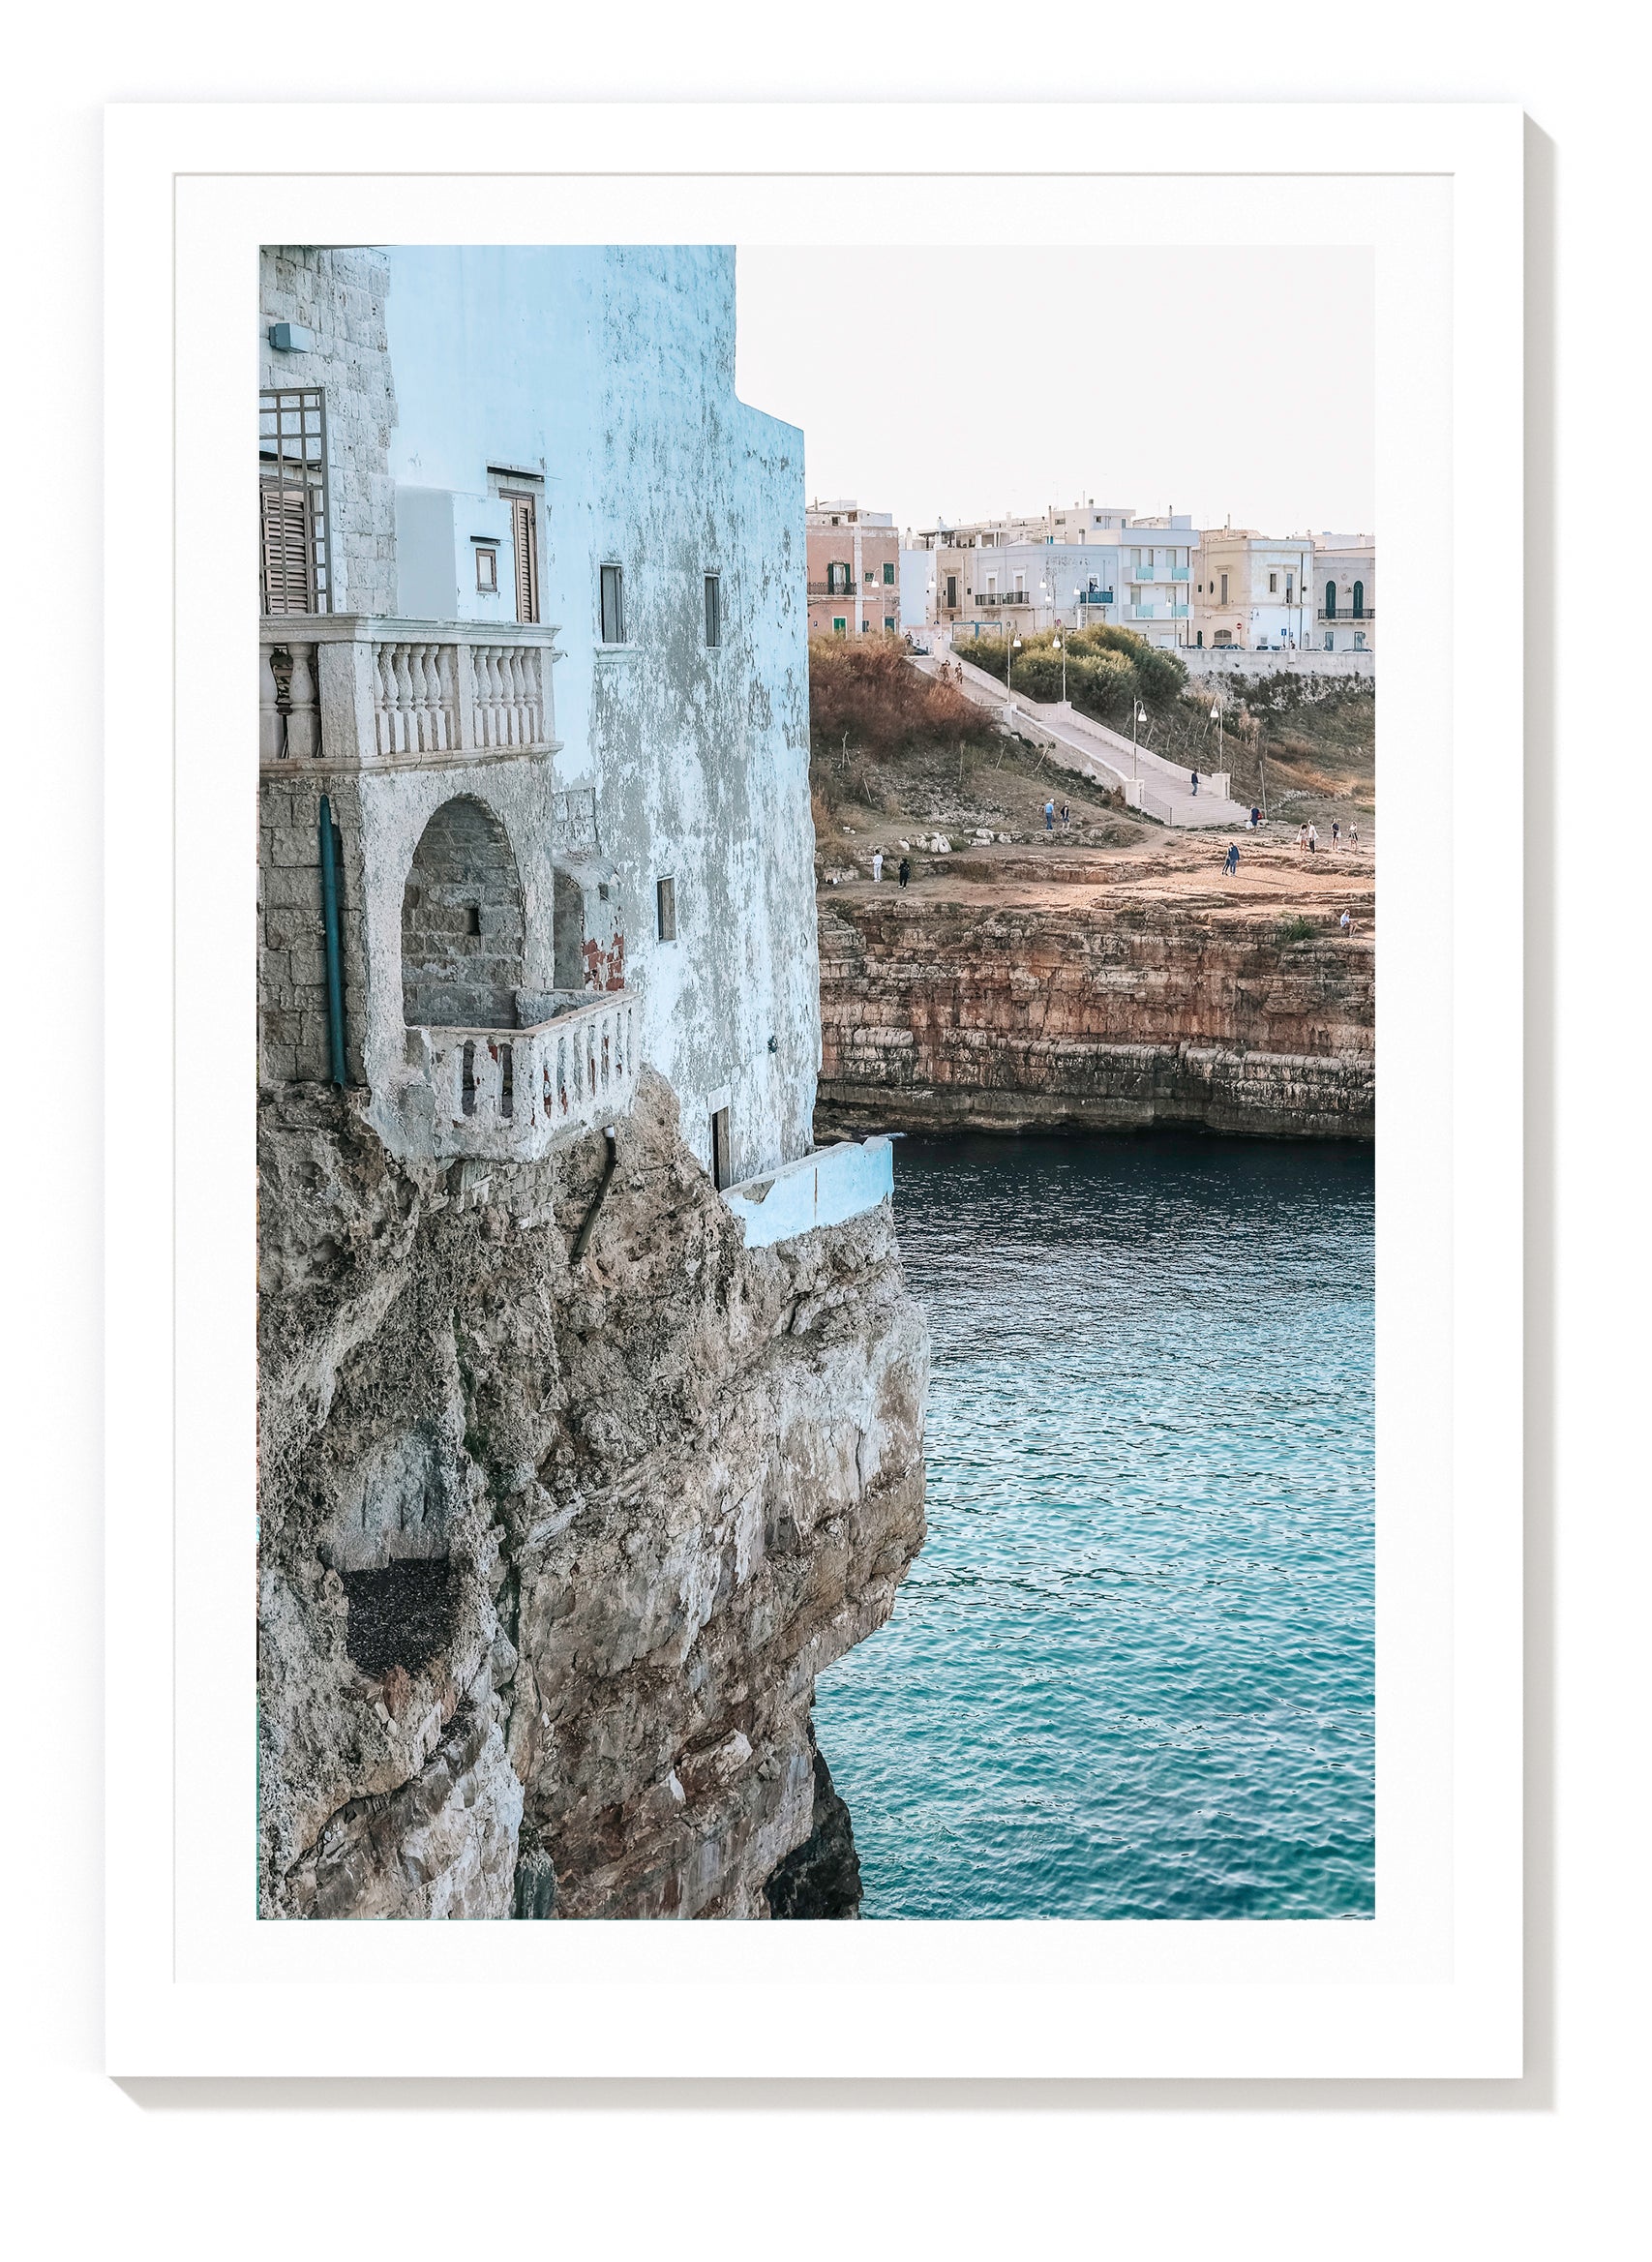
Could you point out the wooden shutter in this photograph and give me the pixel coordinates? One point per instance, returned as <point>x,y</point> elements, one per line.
<point>525,547</point>
<point>289,547</point>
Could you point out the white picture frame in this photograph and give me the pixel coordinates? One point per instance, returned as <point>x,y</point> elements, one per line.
<point>196,1984</point>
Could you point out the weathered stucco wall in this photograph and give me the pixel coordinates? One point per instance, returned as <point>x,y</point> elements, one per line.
<point>610,369</point>
<point>1002,1017</point>
<point>552,1549</point>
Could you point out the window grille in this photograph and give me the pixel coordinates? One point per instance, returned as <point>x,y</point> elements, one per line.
<point>295,555</point>
<point>714,609</point>
<point>613,605</point>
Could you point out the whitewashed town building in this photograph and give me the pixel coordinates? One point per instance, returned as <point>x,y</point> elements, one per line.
<point>534,703</point>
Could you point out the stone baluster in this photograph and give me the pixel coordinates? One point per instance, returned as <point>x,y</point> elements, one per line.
<point>520,732</point>
<point>383,699</point>
<point>447,694</point>
<point>271,732</point>
<point>418,715</point>
<point>405,739</point>
<point>304,721</point>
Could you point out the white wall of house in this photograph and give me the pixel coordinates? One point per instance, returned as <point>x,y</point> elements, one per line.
<point>602,378</point>
<point>1252,592</point>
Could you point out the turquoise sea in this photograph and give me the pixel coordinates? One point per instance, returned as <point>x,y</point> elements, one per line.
<point>1131,1673</point>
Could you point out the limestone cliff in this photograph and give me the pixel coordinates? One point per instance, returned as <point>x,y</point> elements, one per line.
<point>1080,1005</point>
<point>551,1548</point>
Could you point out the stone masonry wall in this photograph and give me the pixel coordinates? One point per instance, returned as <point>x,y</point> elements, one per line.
<point>1093,1014</point>
<point>341,296</point>
<point>293,966</point>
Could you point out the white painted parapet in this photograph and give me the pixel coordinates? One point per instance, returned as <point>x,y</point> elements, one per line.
<point>824,1188</point>
<point>382,694</point>
<point>511,1095</point>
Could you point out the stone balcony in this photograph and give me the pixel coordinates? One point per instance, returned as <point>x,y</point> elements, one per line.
<point>370,694</point>
<point>511,1095</point>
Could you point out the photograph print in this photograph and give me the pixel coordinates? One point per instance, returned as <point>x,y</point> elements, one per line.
<point>816,1083</point>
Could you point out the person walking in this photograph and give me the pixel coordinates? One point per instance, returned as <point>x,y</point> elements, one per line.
<point>1335,831</point>
<point>1066,818</point>
<point>876,865</point>
<point>1049,816</point>
<point>905,872</point>
<point>1193,778</point>
<point>1255,817</point>
<point>1232,857</point>
<point>1302,840</point>
<point>1312,841</point>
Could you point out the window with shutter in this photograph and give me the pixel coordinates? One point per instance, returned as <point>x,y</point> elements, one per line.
<point>525,543</point>
<point>714,609</point>
<point>293,524</point>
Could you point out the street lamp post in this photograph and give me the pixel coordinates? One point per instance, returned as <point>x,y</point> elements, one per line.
<point>1138,715</point>
<point>1009,651</point>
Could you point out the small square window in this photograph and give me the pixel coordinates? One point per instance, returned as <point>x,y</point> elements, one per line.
<point>487,568</point>
<point>665,909</point>
<point>613,605</point>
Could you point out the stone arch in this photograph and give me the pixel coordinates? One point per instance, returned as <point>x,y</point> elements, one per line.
<point>463,923</point>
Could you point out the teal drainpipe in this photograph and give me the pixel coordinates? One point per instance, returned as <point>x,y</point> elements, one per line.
<point>330,925</point>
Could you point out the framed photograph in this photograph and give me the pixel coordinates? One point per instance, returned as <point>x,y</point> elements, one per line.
<point>758,1269</point>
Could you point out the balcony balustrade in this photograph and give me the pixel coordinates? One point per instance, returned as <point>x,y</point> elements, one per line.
<point>1341,619</point>
<point>370,693</point>
<point>510,1094</point>
<point>1096,596</point>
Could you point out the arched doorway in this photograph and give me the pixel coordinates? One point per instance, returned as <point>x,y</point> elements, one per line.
<point>463,924</point>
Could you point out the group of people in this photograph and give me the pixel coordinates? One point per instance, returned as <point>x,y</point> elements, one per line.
<point>903,871</point>
<point>1050,813</point>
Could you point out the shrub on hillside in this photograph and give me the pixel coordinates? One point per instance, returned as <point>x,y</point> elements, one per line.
<point>871,691</point>
<point>1105,668</point>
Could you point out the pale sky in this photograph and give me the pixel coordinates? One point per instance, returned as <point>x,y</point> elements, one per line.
<point>965,384</point>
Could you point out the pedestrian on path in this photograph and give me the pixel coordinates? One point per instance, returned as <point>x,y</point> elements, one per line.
<point>1232,857</point>
<point>1346,924</point>
<point>1255,817</point>
<point>905,872</point>
<point>1302,840</point>
<point>1312,841</point>
<point>1194,776</point>
<point>876,865</point>
<point>1335,831</point>
<point>1066,818</point>
<point>1049,816</point>
<point>1353,836</point>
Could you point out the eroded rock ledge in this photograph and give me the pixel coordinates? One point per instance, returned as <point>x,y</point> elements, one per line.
<point>1091,1009</point>
<point>549,1553</point>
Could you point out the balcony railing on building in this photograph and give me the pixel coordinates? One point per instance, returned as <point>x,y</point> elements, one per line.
<point>348,689</point>
<point>1096,596</point>
<point>510,1094</point>
<point>1350,619</point>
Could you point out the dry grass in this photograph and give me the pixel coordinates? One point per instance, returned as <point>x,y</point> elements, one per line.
<point>870,693</point>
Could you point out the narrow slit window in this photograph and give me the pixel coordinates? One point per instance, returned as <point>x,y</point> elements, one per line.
<point>665,906</point>
<point>714,609</point>
<point>613,605</point>
<point>524,545</point>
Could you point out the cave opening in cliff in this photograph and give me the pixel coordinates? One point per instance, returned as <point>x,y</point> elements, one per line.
<point>402,1615</point>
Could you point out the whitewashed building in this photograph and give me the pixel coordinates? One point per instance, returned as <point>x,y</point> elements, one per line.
<point>1077,564</point>
<point>1252,591</point>
<point>1344,591</point>
<point>534,703</point>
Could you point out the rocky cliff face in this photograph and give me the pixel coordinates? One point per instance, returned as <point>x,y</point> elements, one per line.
<point>1081,1008</point>
<point>551,1550</point>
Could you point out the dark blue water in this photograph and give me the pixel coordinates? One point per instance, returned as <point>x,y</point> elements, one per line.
<point>1131,1673</point>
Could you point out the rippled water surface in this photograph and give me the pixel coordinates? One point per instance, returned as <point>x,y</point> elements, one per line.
<point>1131,1673</point>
